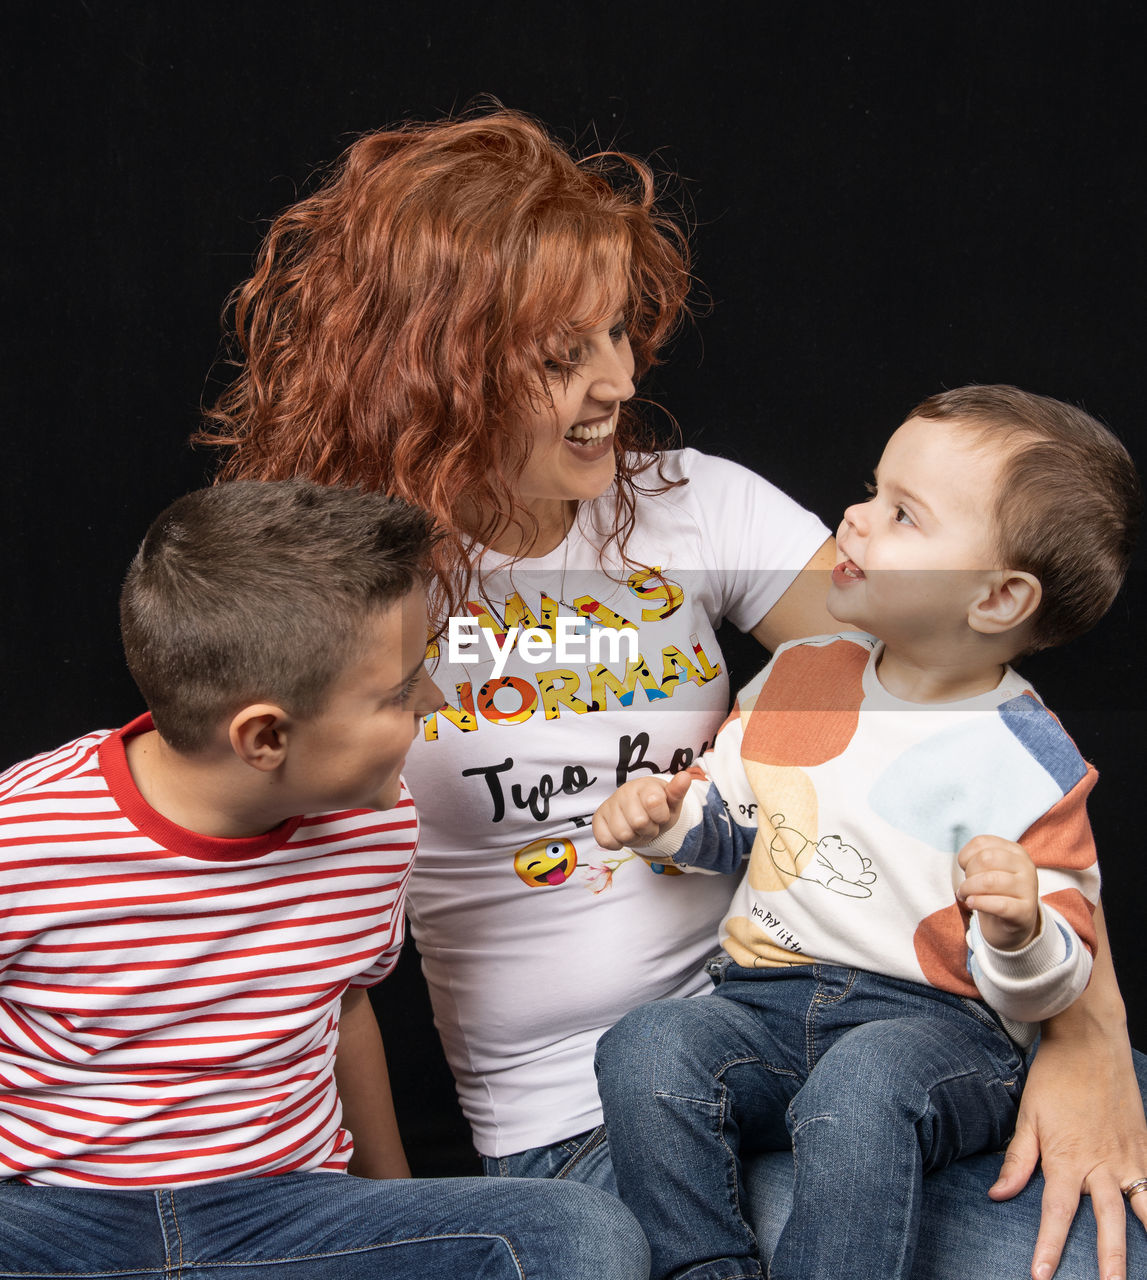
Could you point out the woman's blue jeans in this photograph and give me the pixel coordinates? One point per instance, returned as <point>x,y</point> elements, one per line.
<point>321,1226</point>
<point>963,1234</point>
<point>582,1158</point>
<point>874,1080</point>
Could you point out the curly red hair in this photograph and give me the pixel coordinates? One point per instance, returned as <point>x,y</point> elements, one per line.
<point>401,317</point>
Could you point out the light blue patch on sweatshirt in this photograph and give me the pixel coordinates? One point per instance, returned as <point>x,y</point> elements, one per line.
<point>976,778</point>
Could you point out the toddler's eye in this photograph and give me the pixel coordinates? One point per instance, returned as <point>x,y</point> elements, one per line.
<point>870,488</point>
<point>902,517</point>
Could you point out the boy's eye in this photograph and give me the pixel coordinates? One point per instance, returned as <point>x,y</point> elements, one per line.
<point>406,692</point>
<point>902,517</point>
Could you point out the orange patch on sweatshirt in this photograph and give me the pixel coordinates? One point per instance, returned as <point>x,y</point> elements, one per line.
<point>808,711</point>
<point>1062,837</point>
<point>942,950</point>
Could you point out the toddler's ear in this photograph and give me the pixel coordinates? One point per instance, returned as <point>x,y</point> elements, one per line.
<point>258,735</point>
<point>1009,599</point>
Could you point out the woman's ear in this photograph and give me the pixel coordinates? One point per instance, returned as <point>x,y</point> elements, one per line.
<point>258,736</point>
<point>1009,600</point>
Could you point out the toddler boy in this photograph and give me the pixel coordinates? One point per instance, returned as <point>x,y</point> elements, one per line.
<point>194,907</point>
<point>921,872</point>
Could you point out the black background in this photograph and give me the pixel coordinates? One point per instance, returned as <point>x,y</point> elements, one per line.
<point>888,199</point>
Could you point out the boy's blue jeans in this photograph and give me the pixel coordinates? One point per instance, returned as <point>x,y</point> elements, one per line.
<point>874,1081</point>
<point>322,1226</point>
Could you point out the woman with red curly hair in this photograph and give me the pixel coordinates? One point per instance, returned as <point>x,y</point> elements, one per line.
<point>458,316</point>
<point>405,320</point>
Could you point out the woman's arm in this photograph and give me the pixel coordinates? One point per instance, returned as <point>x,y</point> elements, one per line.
<point>801,610</point>
<point>1082,1115</point>
<point>364,1089</point>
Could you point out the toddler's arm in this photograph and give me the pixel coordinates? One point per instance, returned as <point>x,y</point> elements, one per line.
<point>1001,886</point>
<point>639,811</point>
<point>684,819</point>
<point>1027,960</point>
<point>703,818</point>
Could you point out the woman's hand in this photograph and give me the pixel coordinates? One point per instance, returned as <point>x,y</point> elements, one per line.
<point>1082,1116</point>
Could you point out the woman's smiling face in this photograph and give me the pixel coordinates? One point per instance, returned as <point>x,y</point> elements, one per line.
<point>571,432</point>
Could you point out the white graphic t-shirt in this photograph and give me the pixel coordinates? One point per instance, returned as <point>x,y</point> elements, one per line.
<point>567,679</point>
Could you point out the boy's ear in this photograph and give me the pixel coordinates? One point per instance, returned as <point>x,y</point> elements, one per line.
<point>258,735</point>
<point>1009,599</point>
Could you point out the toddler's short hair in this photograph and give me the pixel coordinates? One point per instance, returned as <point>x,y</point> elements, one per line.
<point>258,591</point>
<point>1068,504</point>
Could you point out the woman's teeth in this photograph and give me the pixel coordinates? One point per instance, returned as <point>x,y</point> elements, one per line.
<point>598,431</point>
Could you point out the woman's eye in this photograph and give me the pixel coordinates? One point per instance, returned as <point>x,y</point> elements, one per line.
<point>619,331</point>
<point>562,366</point>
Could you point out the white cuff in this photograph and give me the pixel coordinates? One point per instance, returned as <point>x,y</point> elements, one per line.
<point>1041,955</point>
<point>669,842</point>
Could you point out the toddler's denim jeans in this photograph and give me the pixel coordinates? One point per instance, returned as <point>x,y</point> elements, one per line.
<point>873,1080</point>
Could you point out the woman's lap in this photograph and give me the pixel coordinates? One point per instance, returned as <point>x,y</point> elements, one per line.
<point>582,1158</point>
<point>963,1235</point>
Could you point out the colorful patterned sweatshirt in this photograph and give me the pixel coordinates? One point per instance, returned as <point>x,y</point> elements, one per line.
<point>851,806</point>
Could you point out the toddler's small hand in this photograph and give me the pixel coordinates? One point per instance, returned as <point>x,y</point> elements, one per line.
<point>639,811</point>
<point>1001,886</point>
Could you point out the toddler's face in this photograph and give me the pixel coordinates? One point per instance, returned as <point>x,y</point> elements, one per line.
<point>912,558</point>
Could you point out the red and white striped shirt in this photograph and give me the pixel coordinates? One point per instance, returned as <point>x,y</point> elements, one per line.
<point>168,1001</point>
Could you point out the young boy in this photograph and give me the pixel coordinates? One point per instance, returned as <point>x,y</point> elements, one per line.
<point>184,959</point>
<point>921,873</point>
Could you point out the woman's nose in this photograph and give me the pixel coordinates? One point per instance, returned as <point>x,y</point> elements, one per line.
<point>613,373</point>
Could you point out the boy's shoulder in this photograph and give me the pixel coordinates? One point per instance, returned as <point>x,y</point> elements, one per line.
<point>71,760</point>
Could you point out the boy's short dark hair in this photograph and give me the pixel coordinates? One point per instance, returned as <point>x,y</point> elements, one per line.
<point>257,591</point>
<point>1068,504</point>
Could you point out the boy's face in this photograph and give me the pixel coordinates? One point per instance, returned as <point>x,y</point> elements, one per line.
<point>350,755</point>
<point>911,559</point>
